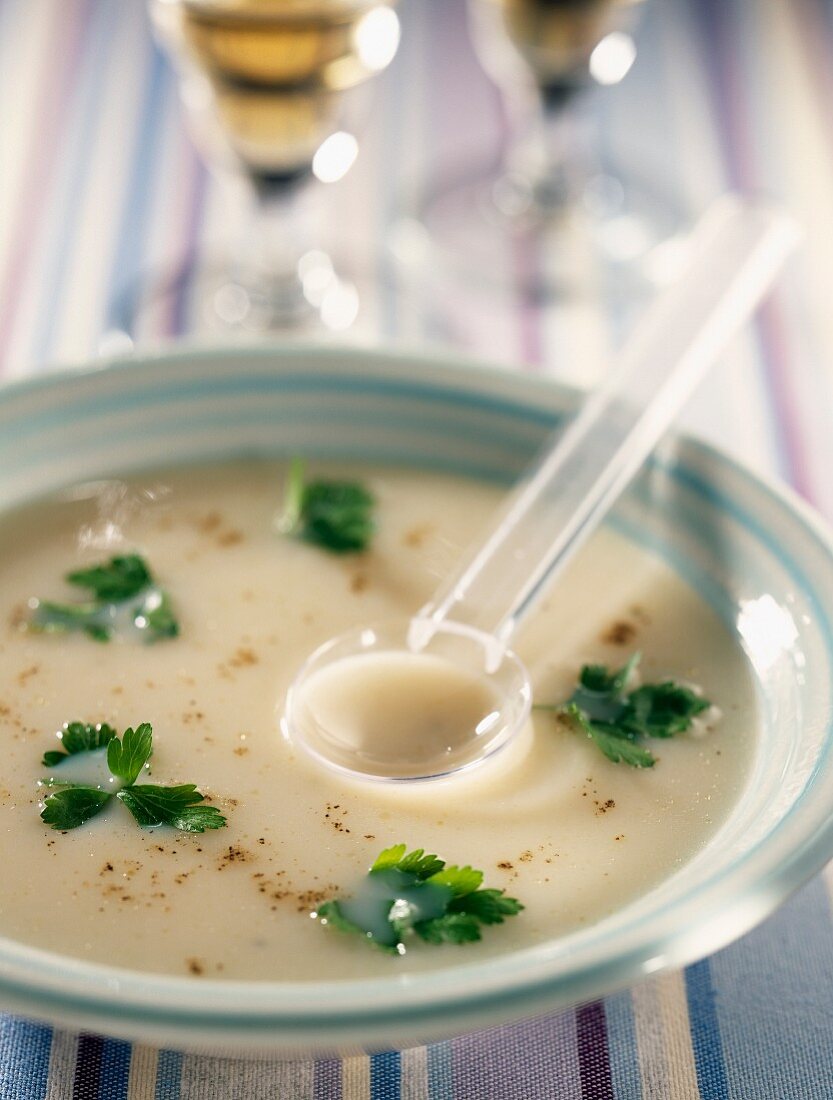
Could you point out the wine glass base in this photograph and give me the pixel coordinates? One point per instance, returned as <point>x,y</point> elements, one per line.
<point>205,299</point>
<point>598,237</point>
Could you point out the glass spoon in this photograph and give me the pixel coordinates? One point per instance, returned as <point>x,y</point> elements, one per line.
<point>442,693</point>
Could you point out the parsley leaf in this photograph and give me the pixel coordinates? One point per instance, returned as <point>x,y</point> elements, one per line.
<point>615,744</point>
<point>56,618</point>
<point>456,928</point>
<point>113,581</point>
<point>150,804</point>
<point>329,913</point>
<point>178,806</point>
<point>599,680</point>
<point>663,710</point>
<point>156,615</point>
<point>72,806</point>
<point>616,719</point>
<point>416,863</point>
<point>127,757</point>
<point>337,515</point>
<point>122,596</point>
<point>78,737</point>
<point>415,895</point>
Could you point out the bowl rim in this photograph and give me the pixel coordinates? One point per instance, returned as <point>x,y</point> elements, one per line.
<point>518,984</point>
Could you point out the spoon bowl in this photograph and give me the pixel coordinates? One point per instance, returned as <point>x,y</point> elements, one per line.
<point>408,701</point>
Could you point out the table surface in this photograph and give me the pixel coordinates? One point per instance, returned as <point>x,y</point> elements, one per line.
<point>99,181</point>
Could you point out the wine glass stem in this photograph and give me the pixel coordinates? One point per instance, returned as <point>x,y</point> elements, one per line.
<point>561,173</point>
<point>543,164</point>
<point>274,240</point>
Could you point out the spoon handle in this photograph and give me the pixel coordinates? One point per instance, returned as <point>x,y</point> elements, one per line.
<point>736,251</point>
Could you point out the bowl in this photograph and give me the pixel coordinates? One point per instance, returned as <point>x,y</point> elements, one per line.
<point>756,554</point>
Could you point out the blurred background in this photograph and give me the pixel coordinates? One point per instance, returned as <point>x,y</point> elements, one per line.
<point>103,193</point>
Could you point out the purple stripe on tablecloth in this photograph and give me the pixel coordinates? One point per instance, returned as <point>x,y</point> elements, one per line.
<point>813,21</point>
<point>87,1080</point>
<point>593,1054</point>
<point>732,124</point>
<point>130,253</point>
<point>722,60</point>
<point>197,188</point>
<point>67,28</point>
<point>97,48</point>
<point>327,1079</point>
<point>537,1058</point>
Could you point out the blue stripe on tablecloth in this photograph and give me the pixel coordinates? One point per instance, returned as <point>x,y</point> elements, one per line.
<point>705,1032</point>
<point>440,1071</point>
<point>24,1058</point>
<point>115,1069</point>
<point>621,1040</point>
<point>773,1004</point>
<point>168,1075</point>
<point>86,116</point>
<point>385,1076</point>
<point>130,252</point>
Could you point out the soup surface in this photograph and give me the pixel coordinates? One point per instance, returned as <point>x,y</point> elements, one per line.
<point>551,820</point>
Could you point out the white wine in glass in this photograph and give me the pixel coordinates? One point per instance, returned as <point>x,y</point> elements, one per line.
<point>264,81</point>
<point>556,38</point>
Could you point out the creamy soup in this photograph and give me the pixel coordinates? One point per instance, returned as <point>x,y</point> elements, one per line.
<point>399,714</point>
<point>551,821</point>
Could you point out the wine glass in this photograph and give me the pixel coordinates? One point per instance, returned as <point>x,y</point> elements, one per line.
<point>266,84</point>
<point>545,191</point>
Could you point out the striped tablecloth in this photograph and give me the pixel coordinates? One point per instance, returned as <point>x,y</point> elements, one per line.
<point>98,181</point>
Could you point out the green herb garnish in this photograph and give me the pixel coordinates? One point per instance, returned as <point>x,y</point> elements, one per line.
<point>127,757</point>
<point>408,895</point>
<point>617,720</point>
<point>72,806</point>
<point>123,597</point>
<point>337,515</point>
<point>149,803</point>
<point>76,737</point>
